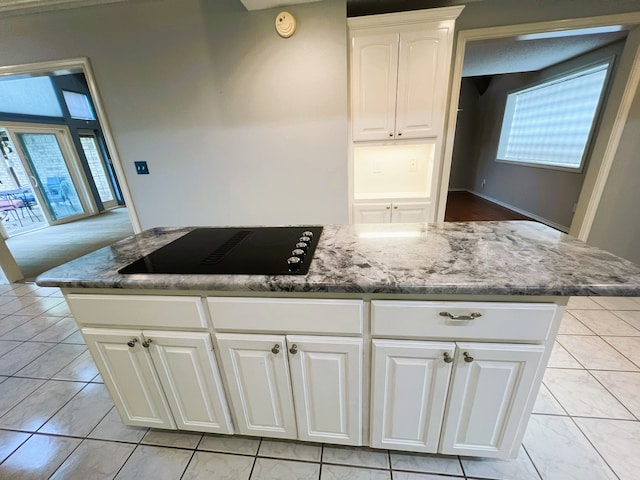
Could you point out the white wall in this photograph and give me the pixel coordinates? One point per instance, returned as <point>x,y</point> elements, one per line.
<point>238,125</point>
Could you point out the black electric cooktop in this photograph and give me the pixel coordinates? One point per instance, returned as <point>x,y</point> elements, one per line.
<point>250,251</point>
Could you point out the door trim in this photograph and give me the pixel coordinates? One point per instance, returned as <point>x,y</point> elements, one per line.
<point>597,174</point>
<point>84,64</point>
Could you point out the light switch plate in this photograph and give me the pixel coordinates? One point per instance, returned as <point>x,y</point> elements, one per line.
<point>141,168</point>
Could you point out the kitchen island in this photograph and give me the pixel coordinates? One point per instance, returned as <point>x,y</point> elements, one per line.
<point>416,337</point>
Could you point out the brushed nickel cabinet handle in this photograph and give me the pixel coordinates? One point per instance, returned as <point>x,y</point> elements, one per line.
<point>294,349</point>
<point>147,342</point>
<point>132,342</point>
<point>451,316</point>
<point>447,357</point>
<point>467,358</point>
<point>276,349</point>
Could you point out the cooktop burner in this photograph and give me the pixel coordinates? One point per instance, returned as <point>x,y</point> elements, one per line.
<point>250,251</point>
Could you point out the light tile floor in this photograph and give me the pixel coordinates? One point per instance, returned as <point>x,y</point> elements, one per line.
<point>57,420</point>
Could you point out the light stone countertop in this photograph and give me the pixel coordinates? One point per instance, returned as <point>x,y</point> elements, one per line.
<point>469,258</point>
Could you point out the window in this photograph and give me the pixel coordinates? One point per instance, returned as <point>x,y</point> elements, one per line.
<point>79,105</point>
<point>549,124</point>
<point>29,96</point>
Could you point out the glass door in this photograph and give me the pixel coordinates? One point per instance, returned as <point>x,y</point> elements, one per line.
<point>56,177</point>
<point>99,170</point>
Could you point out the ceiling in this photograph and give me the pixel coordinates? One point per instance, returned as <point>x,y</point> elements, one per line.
<point>511,55</point>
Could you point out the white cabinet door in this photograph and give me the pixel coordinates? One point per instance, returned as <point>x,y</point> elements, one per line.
<point>189,374</point>
<point>374,72</point>
<point>415,212</point>
<point>409,390</point>
<point>257,373</point>
<point>326,373</point>
<point>129,375</point>
<point>490,392</point>
<point>371,212</point>
<point>422,83</point>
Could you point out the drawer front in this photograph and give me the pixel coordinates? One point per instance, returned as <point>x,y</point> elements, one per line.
<point>285,315</point>
<point>138,310</point>
<point>462,320</point>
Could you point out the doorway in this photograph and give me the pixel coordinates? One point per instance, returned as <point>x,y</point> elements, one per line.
<point>614,116</point>
<point>65,165</point>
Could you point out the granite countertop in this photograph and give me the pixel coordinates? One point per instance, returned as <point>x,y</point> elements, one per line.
<point>477,258</point>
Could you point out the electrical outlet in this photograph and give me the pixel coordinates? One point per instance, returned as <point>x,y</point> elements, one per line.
<point>141,168</point>
<point>413,165</point>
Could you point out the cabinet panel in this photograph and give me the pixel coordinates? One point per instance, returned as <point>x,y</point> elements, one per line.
<point>290,315</point>
<point>138,310</point>
<point>417,212</point>
<point>489,396</point>
<point>374,75</point>
<point>189,374</point>
<point>372,213</point>
<point>497,321</point>
<point>130,377</point>
<point>409,390</point>
<point>257,374</point>
<point>326,374</point>
<point>421,89</point>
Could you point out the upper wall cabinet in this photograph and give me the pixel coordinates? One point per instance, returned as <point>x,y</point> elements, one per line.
<point>399,73</point>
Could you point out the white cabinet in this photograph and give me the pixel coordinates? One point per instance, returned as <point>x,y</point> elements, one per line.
<point>161,379</point>
<point>399,73</point>
<point>491,387</point>
<point>293,386</point>
<point>392,212</point>
<point>397,84</point>
<point>128,373</point>
<point>487,397</point>
<point>374,77</point>
<point>409,390</point>
<point>257,374</point>
<point>457,378</point>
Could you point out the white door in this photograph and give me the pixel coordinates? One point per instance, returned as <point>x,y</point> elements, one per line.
<point>189,374</point>
<point>257,373</point>
<point>371,213</point>
<point>409,390</point>
<point>422,79</point>
<point>491,386</point>
<point>326,374</point>
<point>374,73</point>
<point>129,375</point>
<point>412,212</point>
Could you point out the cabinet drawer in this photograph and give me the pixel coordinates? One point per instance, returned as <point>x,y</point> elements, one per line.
<point>287,315</point>
<point>138,310</point>
<point>496,321</point>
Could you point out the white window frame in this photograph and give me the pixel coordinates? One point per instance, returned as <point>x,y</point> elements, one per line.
<point>607,63</point>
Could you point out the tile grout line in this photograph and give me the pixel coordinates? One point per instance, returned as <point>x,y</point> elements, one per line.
<point>594,448</point>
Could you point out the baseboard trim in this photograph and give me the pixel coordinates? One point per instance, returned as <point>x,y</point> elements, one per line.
<point>537,218</point>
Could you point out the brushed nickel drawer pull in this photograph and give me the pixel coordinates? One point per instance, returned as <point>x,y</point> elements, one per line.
<point>447,357</point>
<point>451,316</point>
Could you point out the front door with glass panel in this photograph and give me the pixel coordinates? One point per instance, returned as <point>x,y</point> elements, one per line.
<point>49,159</point>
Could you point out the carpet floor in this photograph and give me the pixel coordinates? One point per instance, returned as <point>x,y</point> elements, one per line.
<point>39,251</point>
